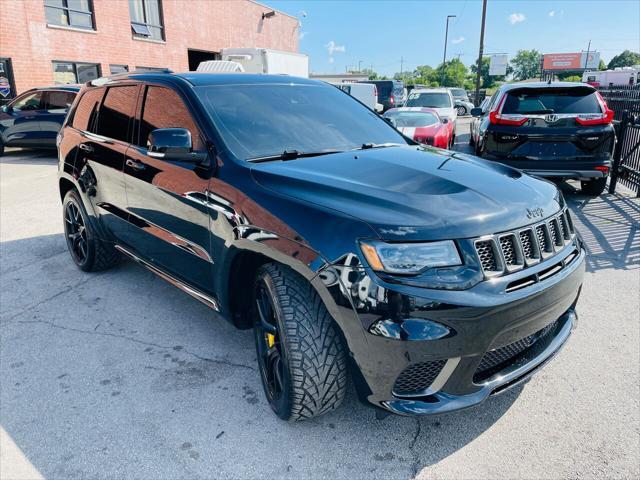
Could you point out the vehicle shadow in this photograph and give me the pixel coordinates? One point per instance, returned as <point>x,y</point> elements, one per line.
<point>23,156</point>
<point>610,227</point>
<point>120,374</point>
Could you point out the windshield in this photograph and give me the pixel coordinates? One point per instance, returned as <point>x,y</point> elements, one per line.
<point>267,119</point>
<point>412,119</point>
<point>560,101</point>
<point>429,99</point>
<point>459,93</point>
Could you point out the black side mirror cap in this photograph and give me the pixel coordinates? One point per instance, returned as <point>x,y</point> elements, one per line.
<point>7,109</point>
<point>476,112</point>
<point>173,144</point>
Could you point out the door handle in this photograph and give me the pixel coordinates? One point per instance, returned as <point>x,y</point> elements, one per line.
<point>137,166</point>
<point>86,147</point>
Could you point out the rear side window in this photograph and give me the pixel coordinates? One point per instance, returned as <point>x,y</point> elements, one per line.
<point>116,113</point>
<point>59,101</point>
<point>559,101</point>
<point>163,108</point>
<point>85,114</point>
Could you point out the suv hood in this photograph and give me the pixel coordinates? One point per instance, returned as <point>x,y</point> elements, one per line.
<point>415,193</point>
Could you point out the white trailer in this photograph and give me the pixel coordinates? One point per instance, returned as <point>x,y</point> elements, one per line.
<point>617,76</point>
<point>264,60</point>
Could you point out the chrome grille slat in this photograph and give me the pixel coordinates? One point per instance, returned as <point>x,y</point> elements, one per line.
<point>510,251</point>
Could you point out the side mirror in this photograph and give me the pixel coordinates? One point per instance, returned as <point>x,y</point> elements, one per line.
<point>445,120</point>
<point>7,109</point>
<point>390,121</point>
<point>476,112</point>
<point>173,144</point>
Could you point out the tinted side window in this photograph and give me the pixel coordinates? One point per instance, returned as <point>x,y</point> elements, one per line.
<point>58,101</point>
<point>85,113</point>
<point>163,108</point>
<point>116,113</point>
<point>32,101</point>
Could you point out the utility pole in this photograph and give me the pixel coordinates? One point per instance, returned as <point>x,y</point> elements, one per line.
<point>444,57</point>
<point>359,65</point>
<point>401,66</point>
<point>586,58</point>
<point>479,64</point>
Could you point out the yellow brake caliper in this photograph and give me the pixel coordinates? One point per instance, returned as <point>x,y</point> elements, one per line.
<point>271,339</point>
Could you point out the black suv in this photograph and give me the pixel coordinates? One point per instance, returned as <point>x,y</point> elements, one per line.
<point>430,279</point>
<point>558,130</point>
<point>390,93</point>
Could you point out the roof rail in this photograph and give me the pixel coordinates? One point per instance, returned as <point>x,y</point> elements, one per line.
<point>97,82</point>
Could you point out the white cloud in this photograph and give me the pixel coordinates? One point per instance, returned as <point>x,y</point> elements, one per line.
<point>516,18</point>
<point>331,60</point>
<point>457,40</point>
<point>552,13</point>
<point>333,48</point>
<point>303,34</point>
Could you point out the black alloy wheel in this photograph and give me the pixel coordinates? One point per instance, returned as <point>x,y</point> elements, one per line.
<point>76,233</point>
<point>270,348</point>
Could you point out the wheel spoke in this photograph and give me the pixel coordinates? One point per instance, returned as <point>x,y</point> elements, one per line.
<point>278,374</point>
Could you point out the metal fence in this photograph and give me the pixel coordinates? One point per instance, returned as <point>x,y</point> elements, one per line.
<point>626,156</point>
<point>622,97</point>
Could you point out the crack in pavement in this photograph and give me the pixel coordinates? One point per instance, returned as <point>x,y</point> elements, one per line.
<point>142,342</point>
<point>415,463</point>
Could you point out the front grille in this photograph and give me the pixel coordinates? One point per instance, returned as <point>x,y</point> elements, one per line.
<point>418,377</point>
<point>495,360</point>
<point>487,256</point>
<point>507,244</point>
<point>510,251</point>
<point>526,239</point>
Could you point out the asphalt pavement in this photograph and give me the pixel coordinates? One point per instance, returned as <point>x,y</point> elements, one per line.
<point>120,375</point>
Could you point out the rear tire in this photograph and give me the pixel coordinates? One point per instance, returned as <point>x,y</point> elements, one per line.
<point>1,148</point>
<point>462,111</point>
<point>88,252</point>
<point>303,365</point>
<point>594,187</point>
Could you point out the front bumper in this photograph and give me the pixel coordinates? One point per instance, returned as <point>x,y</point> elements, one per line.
<point>390,328</point>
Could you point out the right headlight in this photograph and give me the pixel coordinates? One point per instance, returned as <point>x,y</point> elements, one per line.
<point>410,258</point>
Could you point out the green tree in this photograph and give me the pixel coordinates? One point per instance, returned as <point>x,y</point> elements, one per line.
<point>526,64</point>
<point>602,65</point>
<point>451,74</point>
<point>625,59</point>
<point>425,75</point>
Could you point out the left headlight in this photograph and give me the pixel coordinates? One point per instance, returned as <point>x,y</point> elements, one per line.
<point>410,258</point>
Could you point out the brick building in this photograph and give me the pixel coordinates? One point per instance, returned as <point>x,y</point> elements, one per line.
<point>43,42</point>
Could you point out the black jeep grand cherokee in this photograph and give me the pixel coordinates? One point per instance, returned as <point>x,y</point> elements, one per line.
<point>430,279</point>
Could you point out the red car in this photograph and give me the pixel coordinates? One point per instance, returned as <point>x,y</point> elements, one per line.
<point>423,125</point>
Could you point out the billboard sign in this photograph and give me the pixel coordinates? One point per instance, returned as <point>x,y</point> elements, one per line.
<point>498,65</point>
<point>570,61</point>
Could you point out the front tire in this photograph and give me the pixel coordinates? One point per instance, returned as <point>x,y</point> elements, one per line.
<point>301,357</point>
<point>88,252</point>
<point>594,187</point>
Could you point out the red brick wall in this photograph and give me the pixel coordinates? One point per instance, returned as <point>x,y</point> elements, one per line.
<point>197,24</point>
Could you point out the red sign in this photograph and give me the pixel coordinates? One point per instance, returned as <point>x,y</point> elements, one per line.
<point>562,61</point>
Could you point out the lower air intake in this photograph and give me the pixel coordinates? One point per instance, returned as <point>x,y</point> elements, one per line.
<point>417,378</point>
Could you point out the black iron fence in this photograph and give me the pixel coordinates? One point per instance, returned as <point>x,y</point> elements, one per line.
<point>620,98</point>
<point>626,156</point>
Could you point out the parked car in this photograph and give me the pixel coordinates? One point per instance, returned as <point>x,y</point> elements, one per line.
<point>558,130</point>
<point>34,118</point>
<point>461,100</point>
<point>367,93</point>
<point>355,255</point>
<point>390,93</point>
<point>474,126</point>
<point>423,125</point>
<point>438,98</point>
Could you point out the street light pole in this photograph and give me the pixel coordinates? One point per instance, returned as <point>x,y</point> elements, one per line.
<point>479,64</point>
<point>444,57</point>
<point>359,65</point>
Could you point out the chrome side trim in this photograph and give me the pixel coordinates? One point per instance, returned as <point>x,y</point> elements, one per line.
<point>195,293</point>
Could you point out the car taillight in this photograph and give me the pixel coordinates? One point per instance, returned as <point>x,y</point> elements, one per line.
<point>597,118</point>
<point>392,100</point>
<point>497,118</point>
<point>603,169</point>
<point>375,91</point>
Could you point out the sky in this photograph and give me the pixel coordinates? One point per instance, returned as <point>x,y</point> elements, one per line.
<point>341,34</point>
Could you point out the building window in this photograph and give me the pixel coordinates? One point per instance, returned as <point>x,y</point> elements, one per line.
<point>70,13</point>
<point>150,69</point>
<point>146,19</point>
<point>74,72</point>
<point>115,69</point>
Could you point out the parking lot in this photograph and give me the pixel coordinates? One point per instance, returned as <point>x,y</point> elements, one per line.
<point>119,374</point>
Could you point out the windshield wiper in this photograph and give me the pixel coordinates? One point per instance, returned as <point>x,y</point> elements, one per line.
<point>292,155</point>
<point>366,146</point>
